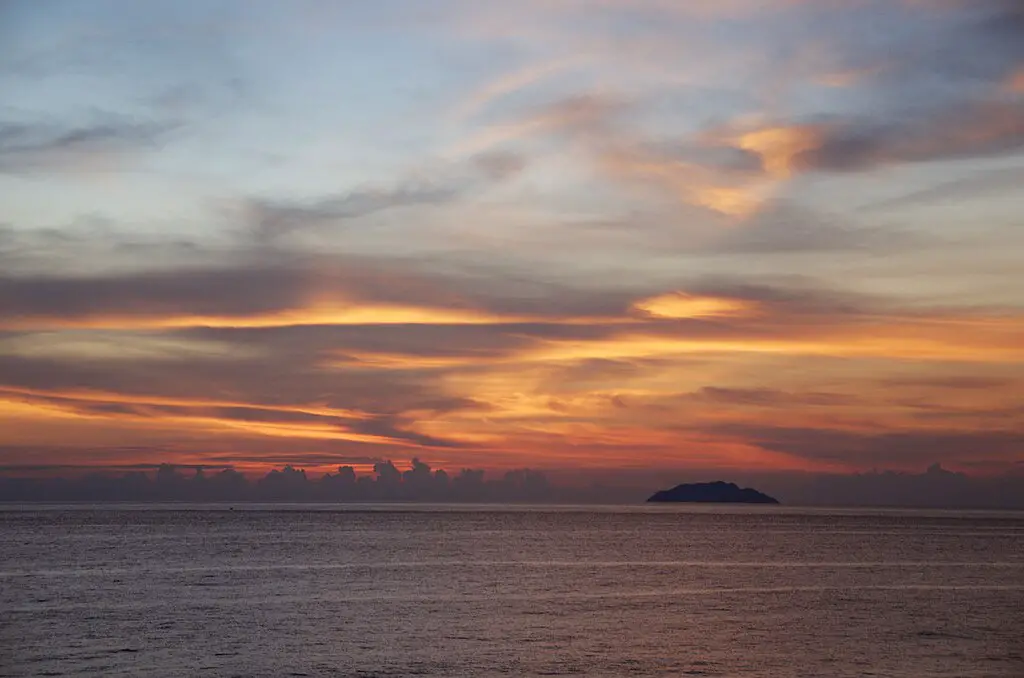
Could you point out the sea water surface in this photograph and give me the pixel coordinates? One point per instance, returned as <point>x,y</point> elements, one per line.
<point>417,590</point>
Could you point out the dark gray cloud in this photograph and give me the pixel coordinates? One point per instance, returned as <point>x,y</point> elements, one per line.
<point>970,129</point>
<point>419,483</point>
<point>226,291</point>
<point>298,459</point>
<point>15,458</point>
<point>934,88</point>
<point>982,42</point>
<point>935,487</point>
<point>882,449</point>
<point>393,427</point>
<point>788,296</point>
<point>924,49</point>
<point>248,285</point>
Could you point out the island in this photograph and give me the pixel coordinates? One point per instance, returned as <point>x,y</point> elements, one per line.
<point>718,492</point>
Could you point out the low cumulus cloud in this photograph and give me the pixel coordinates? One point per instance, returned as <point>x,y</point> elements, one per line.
<point>214,482</point>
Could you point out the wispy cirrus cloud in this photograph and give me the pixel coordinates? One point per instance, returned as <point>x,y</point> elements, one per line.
<point>33,147</point>
<point>275,219</point>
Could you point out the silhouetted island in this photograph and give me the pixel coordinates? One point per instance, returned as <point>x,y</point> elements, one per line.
<point>718,492</point>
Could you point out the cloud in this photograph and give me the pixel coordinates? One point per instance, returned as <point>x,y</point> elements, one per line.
<point>151,294</point>
<point>970,130</point>
<point>930,90</point>
<point>274,288</point>
<point>915,104</point>
<point>509,83</point>
<point>726,192</point>
<point>977,43</point>
<point>272,219</point>
<point>94,244</point>
<point>459,315</point>
<point>769,397</point>
<point>683,305</point>
<point>899,449</point>
<point>981,186</point>
<point>936,487</point>
<point>42,147</point>
<point>126,397</point>
<point>956,382</point>
<point>783,227</point>
<point>596,127</point>
<point>857,143</point>
<point>420,483</point>
<point>275,219</point>
<point>735,166</point>
<point>572,119</point>
<point>284,379</point>
<point>120,346</point>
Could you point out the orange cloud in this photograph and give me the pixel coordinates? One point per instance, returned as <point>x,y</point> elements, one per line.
<point>968,340</point>
<point>682,305</point>
<point>192,420</point>
<point>70,397</point>
<point>326,314</point>
<point>688,182</point>
<point>779,146</point>
<point>630,386</point>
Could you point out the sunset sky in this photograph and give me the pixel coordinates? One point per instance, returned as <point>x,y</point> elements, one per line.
<point>564,234</point>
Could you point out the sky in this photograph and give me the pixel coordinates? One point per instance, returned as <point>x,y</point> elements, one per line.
<point>763,235</point>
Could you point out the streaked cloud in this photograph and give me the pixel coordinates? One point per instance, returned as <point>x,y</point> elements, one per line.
<point>34,147</point>
<point>276,219</point>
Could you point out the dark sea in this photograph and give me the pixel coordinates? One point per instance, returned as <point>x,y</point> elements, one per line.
<point>414,590</point>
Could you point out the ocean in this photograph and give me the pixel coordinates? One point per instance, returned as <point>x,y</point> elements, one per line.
<point>424,590</point>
